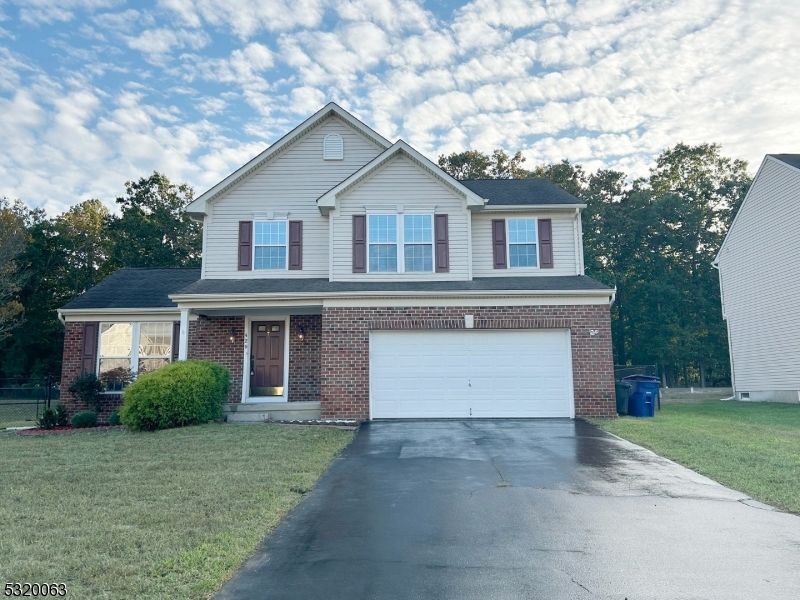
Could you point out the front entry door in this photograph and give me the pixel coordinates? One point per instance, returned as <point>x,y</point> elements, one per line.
<point>266,358</point>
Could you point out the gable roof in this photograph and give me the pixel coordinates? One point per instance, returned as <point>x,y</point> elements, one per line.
<point>520,192</point>
<point>135,288</point>
<point>793,160</point>
<point>198,207</point>
<point>328,200</point>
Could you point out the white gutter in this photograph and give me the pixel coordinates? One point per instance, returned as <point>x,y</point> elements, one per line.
<point>523,207</point>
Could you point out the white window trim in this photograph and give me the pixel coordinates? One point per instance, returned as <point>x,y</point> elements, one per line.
<point>508,242</point>
<point>136,327</point>
<point>400,243</point>
<point>398,233</point>
<point>286,245</point>
<point>432,243</point>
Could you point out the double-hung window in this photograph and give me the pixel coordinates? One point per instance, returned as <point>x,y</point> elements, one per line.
<point>134,348</point>
<point>155,346</point>
<point>382,240</point>
<point>418,243</point>
<point>522,243</point>
<point>270,245</point>
<point>116,350</point>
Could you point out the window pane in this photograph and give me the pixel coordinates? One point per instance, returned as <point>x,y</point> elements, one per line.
<point>154,340</point>
<point>110,364</point>
<point>148,365</point>
<point>270,257</point>
<point>522,255</point>
<point>522,231</point>
<point>116,339</point>
<point>417,229</point>
<point>383,229</point>
<point>418,257</point>
<point>270,233</point>
<point>382,257</point>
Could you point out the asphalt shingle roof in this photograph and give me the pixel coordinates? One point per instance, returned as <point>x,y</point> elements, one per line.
<point>793,160</point>
<point>136,288</point>
<point>322,286</point>
<point>520,191</point>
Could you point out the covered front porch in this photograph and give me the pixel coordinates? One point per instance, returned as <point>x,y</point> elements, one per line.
<point>272,353</point>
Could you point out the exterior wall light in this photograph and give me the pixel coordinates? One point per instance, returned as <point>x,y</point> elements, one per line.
<point>233,335</point>
<point>302,335</point>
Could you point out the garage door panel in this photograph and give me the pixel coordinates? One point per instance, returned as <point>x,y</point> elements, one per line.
<point>457,374</point>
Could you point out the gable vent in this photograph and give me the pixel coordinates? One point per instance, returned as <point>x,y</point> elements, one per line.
<point>333,147</point>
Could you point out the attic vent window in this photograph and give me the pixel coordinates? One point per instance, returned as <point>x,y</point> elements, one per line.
<point>333,147</point>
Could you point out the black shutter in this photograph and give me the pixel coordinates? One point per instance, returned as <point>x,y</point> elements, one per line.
<point>545,243</point>
<point>442,244</point>
<point>89,348</point>
<point>176,339</point>
<point>245,245</point>
<point>499,243</point>
<point>359,243</point>
<point>295,245</point>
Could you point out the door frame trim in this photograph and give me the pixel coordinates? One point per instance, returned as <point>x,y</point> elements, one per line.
<point>248,327</point>
<point>571,371</point>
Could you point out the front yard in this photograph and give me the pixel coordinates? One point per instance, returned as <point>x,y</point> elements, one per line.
<point>751,447</point>
<point>150,515</point>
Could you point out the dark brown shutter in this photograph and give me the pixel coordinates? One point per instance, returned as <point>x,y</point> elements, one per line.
<point>245,245</point>
<point>359,243</point>
<point>89,348</point>
<point>295,245</point>
<point>545,243</point>
<point>176,339</point>
<point>442,249</point>
<point>499,243</point>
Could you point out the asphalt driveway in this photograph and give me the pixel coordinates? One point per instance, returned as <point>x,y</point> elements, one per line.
<point>519,509</point>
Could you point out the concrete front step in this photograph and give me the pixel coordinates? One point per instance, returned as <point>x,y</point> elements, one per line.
<point>258,412</point>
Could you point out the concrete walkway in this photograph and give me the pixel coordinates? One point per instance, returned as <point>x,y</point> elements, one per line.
<point>519,509</point>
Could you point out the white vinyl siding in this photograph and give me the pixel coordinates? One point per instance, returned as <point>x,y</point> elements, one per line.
<point>400,183</point>
<point>289,183</point>
<point>565,257</point>
<point>761,283</point>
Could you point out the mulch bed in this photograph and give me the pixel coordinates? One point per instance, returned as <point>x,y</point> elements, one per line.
<point>67,429</point>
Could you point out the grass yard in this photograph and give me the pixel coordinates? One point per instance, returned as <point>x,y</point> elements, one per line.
<point>749,446</point>
<point>170,514</point>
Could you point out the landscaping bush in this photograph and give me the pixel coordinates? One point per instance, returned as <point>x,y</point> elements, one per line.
<point>48,419</point>
<point>181,393</point>
<point>113,418</point>
<point>61,415</point>
<point>88,389</point>
<point>87,418</point>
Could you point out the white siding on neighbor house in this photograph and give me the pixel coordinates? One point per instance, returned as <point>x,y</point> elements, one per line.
<point>400,181</point>
<point>565,255</point>
<point>290,182</point>
<point>760,279</point>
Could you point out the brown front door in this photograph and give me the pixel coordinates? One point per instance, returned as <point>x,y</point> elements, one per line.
<point>266,358</point>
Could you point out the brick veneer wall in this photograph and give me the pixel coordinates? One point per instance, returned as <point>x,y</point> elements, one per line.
<point>210,339</point>
<point>71,368</point>
<point>304,358</point>
<point>345,348</point>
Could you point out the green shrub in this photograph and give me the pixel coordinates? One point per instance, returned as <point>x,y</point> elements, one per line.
<point>113,418</point>
<point>181,393</point>
<point>87,418</point>
<point>61,415</point>
<point>48,419</point>
<point>88,389</point>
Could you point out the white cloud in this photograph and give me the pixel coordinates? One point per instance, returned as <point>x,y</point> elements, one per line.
<point>157,43</point>
<point>36,12</point>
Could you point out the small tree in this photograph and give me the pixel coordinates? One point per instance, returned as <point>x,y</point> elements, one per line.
<point>88,389</point>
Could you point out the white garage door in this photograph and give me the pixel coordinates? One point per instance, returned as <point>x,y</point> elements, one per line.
<point>470,373</point>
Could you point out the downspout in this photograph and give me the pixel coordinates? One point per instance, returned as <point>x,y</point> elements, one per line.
<point>715,264</point>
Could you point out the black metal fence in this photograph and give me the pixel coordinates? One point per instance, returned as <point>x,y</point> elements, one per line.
<point>23,400</point>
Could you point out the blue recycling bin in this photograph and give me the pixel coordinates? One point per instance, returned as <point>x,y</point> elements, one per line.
<point>643,398</point>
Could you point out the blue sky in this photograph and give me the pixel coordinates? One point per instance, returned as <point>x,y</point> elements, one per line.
<point>97,92</point>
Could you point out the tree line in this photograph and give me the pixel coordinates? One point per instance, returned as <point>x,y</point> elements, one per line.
<point>652,238</point>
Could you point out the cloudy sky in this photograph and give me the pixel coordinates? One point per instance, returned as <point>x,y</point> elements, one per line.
<point>97,92</point>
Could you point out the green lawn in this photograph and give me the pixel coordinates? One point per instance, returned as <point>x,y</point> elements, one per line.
<point>170,514</point>
<point>751,447</point>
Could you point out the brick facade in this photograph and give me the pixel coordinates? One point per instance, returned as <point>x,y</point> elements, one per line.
<point>304,358</point>
<point>345,348</point>
<point>210,339</point>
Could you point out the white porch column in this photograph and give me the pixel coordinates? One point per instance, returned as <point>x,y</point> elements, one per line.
<point>183,344</point>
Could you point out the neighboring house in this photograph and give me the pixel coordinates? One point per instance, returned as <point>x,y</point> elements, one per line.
<point>760,284</point>
<point>346,277</point>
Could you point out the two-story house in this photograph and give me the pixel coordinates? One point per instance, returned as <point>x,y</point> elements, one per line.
<point>348,277</point>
